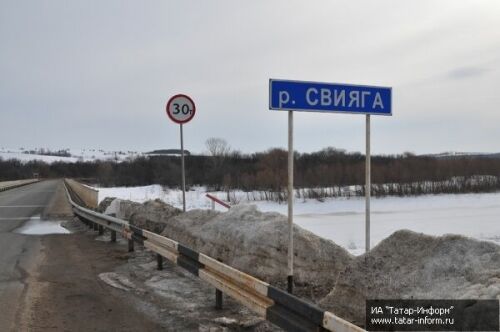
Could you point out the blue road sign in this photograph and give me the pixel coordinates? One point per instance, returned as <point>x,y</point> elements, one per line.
<point>329,97</point>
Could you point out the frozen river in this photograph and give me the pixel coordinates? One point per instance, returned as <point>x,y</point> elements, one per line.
<point>343,220</point>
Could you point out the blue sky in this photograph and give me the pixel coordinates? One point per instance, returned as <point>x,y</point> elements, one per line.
<point>97,74</point>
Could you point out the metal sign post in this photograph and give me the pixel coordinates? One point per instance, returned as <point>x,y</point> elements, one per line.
<point>286,95</point>
<point>183,174</point>
<point>290,202</point>
<point>368,187</point>
<point>181,109</point>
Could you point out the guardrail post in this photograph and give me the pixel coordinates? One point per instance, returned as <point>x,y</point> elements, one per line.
<point>159,261</point>
<point>218,296</point>
<point>96,227</point>
<point>130,245</point>
<point>218,299</point>
<point>101,230</point>
<point>113,236</point>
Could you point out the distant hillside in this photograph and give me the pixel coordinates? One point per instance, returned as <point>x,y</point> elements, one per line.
<point>471,155</point>
<point>80,155</point>
<point>65,155</point>
<point>325,173</point>
<point>167,152</point>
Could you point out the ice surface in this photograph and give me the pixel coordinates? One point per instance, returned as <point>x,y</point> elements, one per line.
<point>473,215</point>
<point>36,226</point>
<point>343,220</point>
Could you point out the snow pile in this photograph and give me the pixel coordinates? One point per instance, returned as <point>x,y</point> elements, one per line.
<point>411,265</point>
<point>245,238</point>
<point>405,265</point>
<point>257,243</point>
<point>152,215</point>
<point>105,204</point>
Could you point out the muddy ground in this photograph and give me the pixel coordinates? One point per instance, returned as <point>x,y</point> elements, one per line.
<point>83,282</point>
<point>65,294</point>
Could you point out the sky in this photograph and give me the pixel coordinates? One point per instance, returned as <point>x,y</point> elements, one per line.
<point>97,74</point>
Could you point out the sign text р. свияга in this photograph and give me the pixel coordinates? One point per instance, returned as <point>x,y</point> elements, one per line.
<point>287,95</point>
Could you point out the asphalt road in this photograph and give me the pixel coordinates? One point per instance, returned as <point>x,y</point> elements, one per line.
<point>50,282</point>
<point>19,253</point>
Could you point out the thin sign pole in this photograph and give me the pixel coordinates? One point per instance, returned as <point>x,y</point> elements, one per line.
<point>290,202</point>
<point>183,175</point>
<point>368,187</point>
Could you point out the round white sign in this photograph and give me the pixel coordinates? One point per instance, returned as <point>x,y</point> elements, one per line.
<point>180,108</point>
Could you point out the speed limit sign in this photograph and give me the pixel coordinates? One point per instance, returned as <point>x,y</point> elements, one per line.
<point>180,108</point>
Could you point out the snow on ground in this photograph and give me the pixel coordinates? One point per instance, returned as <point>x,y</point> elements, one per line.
<point>24,157</point>
<point>97,154</point>
<point>76,155</point>
<point>36,226</point>
<point>195,199</point>
<point>342,220</point>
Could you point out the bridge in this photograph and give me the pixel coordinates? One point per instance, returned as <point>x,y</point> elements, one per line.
<point>51,281</point>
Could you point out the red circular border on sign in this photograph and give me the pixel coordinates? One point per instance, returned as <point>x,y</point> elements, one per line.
<point>172,99</point>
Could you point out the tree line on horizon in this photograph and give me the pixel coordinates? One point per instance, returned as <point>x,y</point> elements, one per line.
<point>325,173</point>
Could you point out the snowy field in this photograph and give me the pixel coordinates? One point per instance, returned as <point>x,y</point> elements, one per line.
<point>76,155</point>
<point>342,220</point>
<point>24,157</point>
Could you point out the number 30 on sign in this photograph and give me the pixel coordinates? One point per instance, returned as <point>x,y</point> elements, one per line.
<point>180,108</point>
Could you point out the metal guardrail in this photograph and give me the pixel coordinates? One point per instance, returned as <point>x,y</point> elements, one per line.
<point>16,184</point>
<point>275,305</point>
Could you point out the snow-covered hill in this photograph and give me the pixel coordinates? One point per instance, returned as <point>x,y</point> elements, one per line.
<point>453,154</point>
<point>66,155</point>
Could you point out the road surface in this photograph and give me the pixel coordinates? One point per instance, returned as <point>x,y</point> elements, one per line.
<point>50,282</point>
<point>18,252</point>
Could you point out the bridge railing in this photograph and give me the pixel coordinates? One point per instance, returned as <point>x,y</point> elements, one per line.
<point>275,305</point>
<point>6,185</point>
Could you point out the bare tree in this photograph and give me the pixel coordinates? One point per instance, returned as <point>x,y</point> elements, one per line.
<point>217,147</point>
